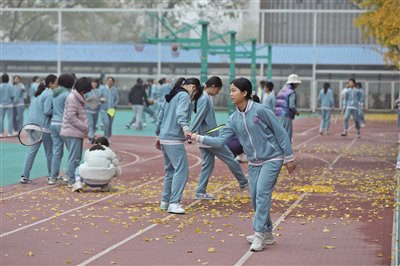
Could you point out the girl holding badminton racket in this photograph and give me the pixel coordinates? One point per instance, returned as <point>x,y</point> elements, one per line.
<point>60,94</point>
<point>38,117</point>
<point>172,130</point>
<point>267,146</point>
<point>74,127</point>
<point>109,98</point>
<point>204,120</point>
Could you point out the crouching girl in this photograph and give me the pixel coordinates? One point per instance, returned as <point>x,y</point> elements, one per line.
<point>99,167</point>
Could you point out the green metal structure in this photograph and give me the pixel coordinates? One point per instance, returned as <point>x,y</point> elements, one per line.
<point>206,46</point>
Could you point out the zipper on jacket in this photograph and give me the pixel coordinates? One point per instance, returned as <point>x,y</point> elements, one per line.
<point>251,141</point>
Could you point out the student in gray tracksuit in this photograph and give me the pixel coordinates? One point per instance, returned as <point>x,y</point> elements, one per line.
<point>110,98</point>
<point>204,120</point>
<point>65,83</point>
<point>352,99</point>
<point>19,106</point>
<point>267,146</point>
<point>40,114</point>
<point>6,105</point>
<point>325,98</point>
<point>172,130</point>
<point>92,109</point>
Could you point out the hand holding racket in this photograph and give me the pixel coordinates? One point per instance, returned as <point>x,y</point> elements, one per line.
<point>30,134</point>
<point>194,134</point>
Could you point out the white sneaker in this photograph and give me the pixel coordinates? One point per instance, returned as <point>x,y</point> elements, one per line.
<point>164,205</point>
<point>176,208</point>
<point>1,135</point>
<point>78,186</point>
<point>51,181</point>
<point>268,239</point>
<point>258,242</point>
<point>64,179</point>
<point>204,196</point>
<point>24,180</point>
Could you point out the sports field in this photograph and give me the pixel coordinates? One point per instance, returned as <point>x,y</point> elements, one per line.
<point>336,209</point>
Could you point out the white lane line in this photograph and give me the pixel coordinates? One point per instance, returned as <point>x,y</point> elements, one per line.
<point>307,131</point>
<point>138,233</point>
<point>248,254</point>
<point>92,203</point>
<point>138,160</point>
<point>307,141</point>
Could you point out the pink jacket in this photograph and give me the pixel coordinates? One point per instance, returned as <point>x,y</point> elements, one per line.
<point>75,123</point>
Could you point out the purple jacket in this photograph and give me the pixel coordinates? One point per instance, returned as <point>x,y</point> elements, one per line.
<point>283,107</point>
<point>75,123</point>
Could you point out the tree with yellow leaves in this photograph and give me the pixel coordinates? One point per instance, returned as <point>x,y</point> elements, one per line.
<point>382,21</point>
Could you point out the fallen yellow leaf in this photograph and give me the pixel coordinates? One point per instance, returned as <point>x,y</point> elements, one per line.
<point>211,250</point>
<point>329,247</point>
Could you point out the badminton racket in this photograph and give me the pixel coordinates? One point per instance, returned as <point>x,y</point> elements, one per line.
<point>207,132</point>
<point>30,134</point>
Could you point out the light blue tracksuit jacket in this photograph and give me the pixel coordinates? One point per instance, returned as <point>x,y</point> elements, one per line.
<point>267,145</point>
<point>352,99</point>
<point>172,120</point>
<point>6,107</point>
<point>19,106</point>
<point>112,99</point>
<point>326,101</point>
<point>361,104</point>
<point>92,113</point>
<point>59,97</point>
<point>269,100</point>
<point>39,114</point>
<point>204,120</point>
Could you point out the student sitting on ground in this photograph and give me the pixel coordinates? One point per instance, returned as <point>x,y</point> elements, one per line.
<point>99,167</point>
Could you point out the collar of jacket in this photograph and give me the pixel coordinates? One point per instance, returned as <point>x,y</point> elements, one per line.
<point>248,107</point>
<point>174,92</point>
<point>78,96</point>
<point>58,91</point>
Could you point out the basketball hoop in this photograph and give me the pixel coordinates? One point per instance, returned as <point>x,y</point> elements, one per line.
<point>175,50</point>
<point>139,47</point>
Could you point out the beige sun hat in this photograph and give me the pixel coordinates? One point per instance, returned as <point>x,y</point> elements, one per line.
<point>293,78</point>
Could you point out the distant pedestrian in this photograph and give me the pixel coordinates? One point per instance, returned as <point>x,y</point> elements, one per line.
<point>32,88</point>
<point>269,98</point>
<point>352,100</point>
<point>137,98</point>
<point>6,105</point>
<point>286,102</point>
<point>92,107</point>
<point>110,98</point>
<point>361,105</point>
<point>325,98</point>
<point>19,105</point>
